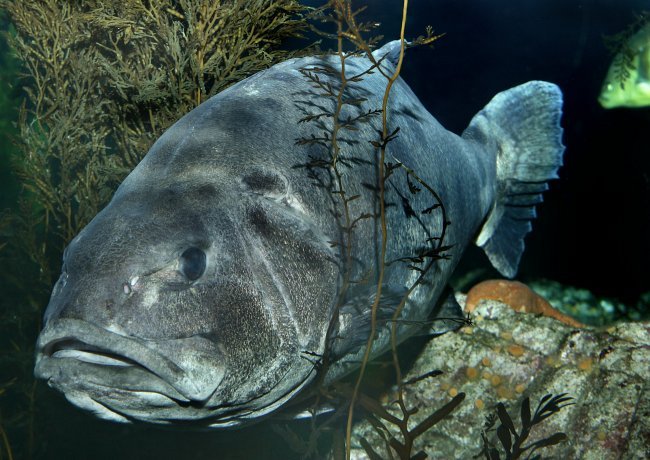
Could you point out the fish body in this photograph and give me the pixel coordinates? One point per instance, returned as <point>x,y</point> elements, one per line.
<point>224,270</point>
<point>627,83</point>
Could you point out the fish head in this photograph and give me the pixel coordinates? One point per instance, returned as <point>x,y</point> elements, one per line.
<point>630,92</point>
<point>627,83</point>
<point>201,294</point>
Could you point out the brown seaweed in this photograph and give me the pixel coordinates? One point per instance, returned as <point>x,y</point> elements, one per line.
<point>101,81</point>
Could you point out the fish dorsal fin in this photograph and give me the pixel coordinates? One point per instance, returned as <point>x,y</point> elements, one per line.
<point>389,52</point>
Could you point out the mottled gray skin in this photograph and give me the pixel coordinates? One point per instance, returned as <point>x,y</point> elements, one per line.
<point>129,337</point>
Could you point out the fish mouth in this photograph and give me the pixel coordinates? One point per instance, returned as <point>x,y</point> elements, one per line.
<point>76,349</point>
<point>123,378</point>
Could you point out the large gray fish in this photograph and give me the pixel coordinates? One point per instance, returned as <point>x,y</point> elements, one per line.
<point>217,282</point>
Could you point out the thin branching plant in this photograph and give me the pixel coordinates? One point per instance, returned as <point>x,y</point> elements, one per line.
<point>345,114</point>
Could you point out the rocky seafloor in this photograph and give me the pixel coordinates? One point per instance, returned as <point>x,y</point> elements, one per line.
<point>509,357</point>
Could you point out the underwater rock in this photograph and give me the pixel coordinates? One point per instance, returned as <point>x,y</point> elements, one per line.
<point>586,307</point>
<point>518,296</point>
<point>507,356</point>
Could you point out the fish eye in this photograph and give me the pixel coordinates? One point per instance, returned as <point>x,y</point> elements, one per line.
<point>192,263</point>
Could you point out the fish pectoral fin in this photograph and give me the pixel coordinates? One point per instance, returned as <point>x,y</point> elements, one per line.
<point>355,318</point>
<point>303,413</point>
<point>446,316</point>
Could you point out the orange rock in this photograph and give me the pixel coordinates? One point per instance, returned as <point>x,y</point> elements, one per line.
<point>519,296</point>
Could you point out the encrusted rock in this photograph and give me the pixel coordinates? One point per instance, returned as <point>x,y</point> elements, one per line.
<point>507,356</point>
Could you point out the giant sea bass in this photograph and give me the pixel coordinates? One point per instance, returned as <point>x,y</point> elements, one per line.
<point>218,273</point>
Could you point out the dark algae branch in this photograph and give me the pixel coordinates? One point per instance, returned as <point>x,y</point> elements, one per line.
<point>514,441</point>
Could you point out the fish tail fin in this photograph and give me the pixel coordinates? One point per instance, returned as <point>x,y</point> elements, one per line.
<point>522,126</point>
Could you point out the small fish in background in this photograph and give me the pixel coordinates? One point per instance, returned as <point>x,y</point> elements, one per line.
<point>627,83</point>
<point>208,287</point>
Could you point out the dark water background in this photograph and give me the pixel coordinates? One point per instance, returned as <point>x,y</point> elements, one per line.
<point>592,230</point>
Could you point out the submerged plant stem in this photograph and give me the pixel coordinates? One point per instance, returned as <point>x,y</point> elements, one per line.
<point>384,235</point>
<point>5,441</point>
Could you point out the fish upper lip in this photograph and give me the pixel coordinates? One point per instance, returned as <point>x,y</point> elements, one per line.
<point>73,348</point>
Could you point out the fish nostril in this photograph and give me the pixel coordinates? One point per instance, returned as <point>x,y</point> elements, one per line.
<point>131,285</point>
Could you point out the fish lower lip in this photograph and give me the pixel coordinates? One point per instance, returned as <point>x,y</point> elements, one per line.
<point>69,348</point>
<point>93,368</point>
<point>78,354</point>
<point>83,342</point>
